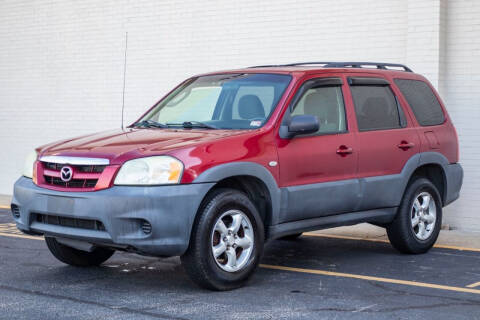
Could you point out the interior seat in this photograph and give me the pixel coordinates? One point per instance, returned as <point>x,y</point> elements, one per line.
<point>250,107</point>
<point>317,104</point>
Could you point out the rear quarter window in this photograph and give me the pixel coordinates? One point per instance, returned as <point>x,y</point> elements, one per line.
<point>422,101</point>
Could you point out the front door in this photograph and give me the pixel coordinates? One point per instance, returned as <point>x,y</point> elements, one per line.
<point>318,171</point>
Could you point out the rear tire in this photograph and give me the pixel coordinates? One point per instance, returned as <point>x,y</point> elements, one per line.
<point>76,257</point>
<point>226,242</point>
<point>419,218</point>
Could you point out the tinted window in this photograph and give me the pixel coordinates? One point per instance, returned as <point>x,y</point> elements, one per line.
<point>224,101</point>
<point>327,104</point>
<point>376,108</point>
<point>265,95</point>
<point>422,100</point>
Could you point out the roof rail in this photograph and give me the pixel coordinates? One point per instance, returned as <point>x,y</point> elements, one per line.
<point>378,65</point>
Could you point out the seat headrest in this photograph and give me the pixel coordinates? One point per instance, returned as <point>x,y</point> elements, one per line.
<point>322,106</point>
<point>250,107</point>
<point>375,107</point>
<point>377,114</point>
<point>313,104</point>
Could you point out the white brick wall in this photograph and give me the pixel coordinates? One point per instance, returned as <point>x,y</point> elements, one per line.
<point>61,62</point>
<point>462,97</point>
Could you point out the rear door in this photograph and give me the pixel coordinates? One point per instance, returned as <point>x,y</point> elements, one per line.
<point>386,140</point>
<point>437,134</point>
<point>318,171</point>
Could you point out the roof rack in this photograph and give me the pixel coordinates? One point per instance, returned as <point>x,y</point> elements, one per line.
<point>378,65</point>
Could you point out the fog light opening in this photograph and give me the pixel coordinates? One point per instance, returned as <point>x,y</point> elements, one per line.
<point>15,211</point>
<point>146,227</point>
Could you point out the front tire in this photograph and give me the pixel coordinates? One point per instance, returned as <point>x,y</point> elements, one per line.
<point>76,257</point>
<point>419,218</point>
<point>226,242</point>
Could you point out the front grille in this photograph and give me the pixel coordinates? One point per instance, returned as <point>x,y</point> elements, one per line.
<point>84,176</point>
<point>69,222</point>
<point>78,168</point>
<point>74,183</point>
<point>15,211</point>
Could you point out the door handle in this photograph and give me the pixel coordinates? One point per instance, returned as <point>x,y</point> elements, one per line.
<point>404,145</point>
<point>344,150</point>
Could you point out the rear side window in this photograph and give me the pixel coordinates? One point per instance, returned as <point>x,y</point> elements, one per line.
<point>422,100</point>
<point>375,107</point>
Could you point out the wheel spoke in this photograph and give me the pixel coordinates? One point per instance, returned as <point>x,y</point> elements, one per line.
<point>426,202</point>
<point>244,242</point>
<point>221,227</point>
<point>423,215</point>
<point>231,257</point>
<point>429,218</point>
<point>415,221</point>
<point>421,229</point>
<point>236,223</point>
<point>233,242</point>
<point>219,249</point>
<point>416,205</point>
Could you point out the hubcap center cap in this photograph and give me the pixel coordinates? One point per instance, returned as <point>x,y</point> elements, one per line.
<point>230,240</point>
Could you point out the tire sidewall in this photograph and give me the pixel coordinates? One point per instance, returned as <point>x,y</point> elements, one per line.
<point>418,186</point>
<point>229,200</point>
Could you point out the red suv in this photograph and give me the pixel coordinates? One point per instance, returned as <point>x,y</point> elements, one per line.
<point>231,159</point>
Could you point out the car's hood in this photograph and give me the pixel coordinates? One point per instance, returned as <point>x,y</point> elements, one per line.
<point>116,144</point>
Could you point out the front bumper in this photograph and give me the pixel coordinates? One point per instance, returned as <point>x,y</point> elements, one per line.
<point>169,209</point>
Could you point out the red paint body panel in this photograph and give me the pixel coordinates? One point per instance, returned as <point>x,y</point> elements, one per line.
<point>379,150</point>
<point>302,160</point>
<point>314,159</point>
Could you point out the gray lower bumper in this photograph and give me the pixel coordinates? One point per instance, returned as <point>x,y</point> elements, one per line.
<point>454,176</point>
<point>169,209</point>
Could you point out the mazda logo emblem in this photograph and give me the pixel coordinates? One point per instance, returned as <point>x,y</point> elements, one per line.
<point>66,174</point>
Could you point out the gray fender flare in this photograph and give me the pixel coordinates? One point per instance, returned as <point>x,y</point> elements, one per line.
<point>422,159</point>
<point>253,169</point>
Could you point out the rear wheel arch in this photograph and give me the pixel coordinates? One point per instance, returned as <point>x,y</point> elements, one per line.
<point>433,172</point>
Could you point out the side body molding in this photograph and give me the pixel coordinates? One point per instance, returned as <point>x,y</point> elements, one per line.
<point>253,169</point>
<point>376,197</point>
<point>387,191</point>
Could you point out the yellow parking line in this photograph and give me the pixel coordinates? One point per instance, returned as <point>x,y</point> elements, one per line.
<point>473,285</point>
<point>4,207</point>
<point>333,236</point>
<point>370,278</point>
<point>24,236</point>
<point>327,273</point>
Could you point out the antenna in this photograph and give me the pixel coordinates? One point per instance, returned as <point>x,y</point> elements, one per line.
<point>124,73</point>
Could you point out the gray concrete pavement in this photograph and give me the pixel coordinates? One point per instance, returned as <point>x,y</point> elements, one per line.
<point>330,278</point>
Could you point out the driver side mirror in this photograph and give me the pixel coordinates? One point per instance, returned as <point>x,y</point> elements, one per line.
<point>302,124</point>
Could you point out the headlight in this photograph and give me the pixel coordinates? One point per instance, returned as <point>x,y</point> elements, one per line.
<point>29,162</point>
<point>150,171</point>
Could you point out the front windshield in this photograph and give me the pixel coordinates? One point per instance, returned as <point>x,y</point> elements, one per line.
<point>226,101</point>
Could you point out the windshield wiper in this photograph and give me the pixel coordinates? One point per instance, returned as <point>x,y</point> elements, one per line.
<point>150,124</point>
<point>193,124</point>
